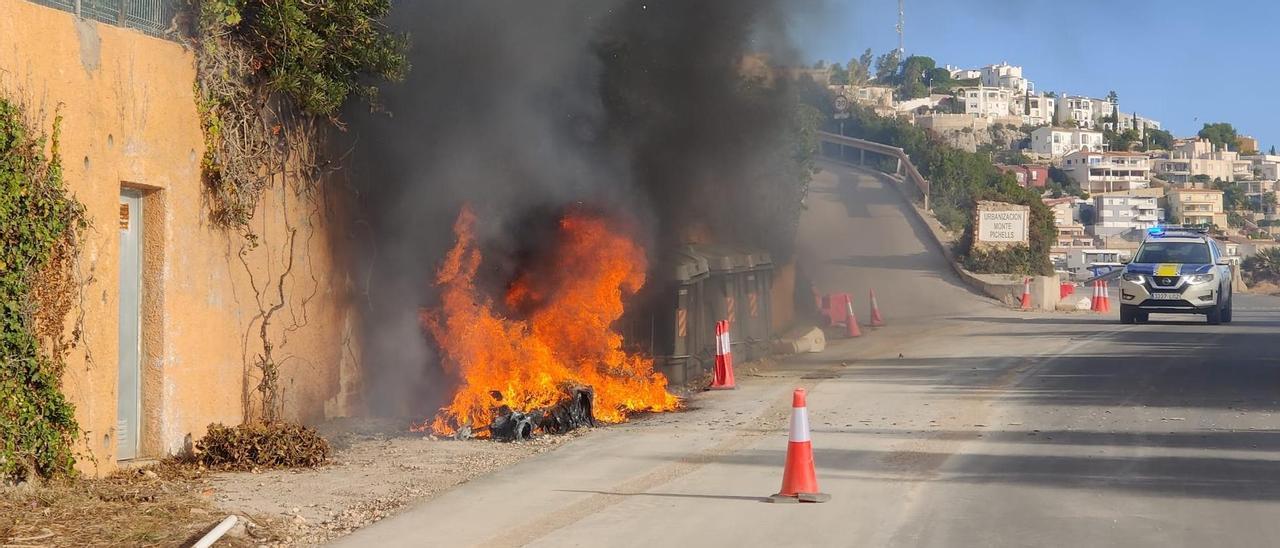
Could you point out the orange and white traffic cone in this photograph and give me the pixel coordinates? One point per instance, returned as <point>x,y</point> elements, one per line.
<point>1026,294</point>
<point>851,323</point>
<point>876,320</point>
<point>1096,304</point>
<point>799,480</point>
<point>723,376</point>
<point>1104,297</point>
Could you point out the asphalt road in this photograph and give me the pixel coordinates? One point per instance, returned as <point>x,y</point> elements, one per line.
<point>960,424</point>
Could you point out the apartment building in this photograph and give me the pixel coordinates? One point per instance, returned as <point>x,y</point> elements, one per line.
<point>986,101</point>
<point>1037,110</point>
<point>1265,166</point>
<point>1117,215</point>
<point>1257,187</point>
<point>1057,142</point>
<point>1006,76</point>
<point>1193,157</point>
<point>1195,206</point>
<point>1138,122</point>
<point>1102,111</point>
<point>1075,111</point>
<point>1066,220</point>
<point>1066,210</point>
<point>1108,171</point>
<point>958,73</point>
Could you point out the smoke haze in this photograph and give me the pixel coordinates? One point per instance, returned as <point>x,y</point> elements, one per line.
<point>523,108</point>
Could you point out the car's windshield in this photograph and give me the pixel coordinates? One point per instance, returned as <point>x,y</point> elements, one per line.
<point>1173,252</point>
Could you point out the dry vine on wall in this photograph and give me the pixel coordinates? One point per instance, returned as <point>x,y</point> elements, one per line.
<point>271,77</point>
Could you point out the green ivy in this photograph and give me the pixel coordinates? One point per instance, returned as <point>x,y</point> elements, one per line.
<point>317,53</point>
<point>265,70</point>
<point>37,220</point>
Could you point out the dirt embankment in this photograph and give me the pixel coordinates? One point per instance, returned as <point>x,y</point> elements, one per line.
<point>377,468</point>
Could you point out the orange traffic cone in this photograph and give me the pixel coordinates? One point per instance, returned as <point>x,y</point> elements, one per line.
<point>876,320</point>
<point>1104,297</point>
<point>723,378</point>
<point>851,323</point>
<point>799,480</point>
<point>1026,294</point>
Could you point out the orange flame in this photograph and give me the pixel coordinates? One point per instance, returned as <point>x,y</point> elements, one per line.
<point>567,337</point>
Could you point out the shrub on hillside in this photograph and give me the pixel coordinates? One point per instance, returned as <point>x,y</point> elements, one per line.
<point>1013,260</point>
<point>1263,266</point>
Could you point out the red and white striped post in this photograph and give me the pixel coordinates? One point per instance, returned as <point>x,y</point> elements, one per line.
<point>723,376</point>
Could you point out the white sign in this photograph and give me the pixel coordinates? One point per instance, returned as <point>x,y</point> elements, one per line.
<point>1002,226</point>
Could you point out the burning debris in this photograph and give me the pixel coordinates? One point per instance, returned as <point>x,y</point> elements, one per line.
<point>557,366</point>
<point>573,412</point>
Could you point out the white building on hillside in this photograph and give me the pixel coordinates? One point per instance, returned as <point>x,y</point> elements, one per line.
<point>1037,109</point>
<point>1057,142</point>
<point>1074,111</point>
<point>1006,76</point>
<point>986,101</point>
<point>958,73</point>
<point>1098,172</point>
<point>1265,166</point>
<point>1102,111</point>
<point>1193,157</point>
<point>1138,122</point>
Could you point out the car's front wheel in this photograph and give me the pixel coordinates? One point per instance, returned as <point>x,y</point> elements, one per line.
<point>1226,311</point>
<point>1128,313</point>
<point>1214,316</point>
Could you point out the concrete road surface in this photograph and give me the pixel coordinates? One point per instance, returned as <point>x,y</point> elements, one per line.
<point>959,424</point>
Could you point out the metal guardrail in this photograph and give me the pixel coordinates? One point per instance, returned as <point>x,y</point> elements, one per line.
<point>153,17</point>
<point>904,166</point>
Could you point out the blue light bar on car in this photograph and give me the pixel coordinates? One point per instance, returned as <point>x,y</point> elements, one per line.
<point>1155,231</point>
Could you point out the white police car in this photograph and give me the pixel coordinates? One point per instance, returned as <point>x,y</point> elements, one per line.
<point>1180,271</point>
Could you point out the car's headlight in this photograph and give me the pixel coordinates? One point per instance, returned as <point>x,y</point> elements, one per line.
<point>1132,277</point>
<point>1201,278</point>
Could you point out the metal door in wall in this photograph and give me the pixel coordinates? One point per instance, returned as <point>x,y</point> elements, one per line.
<point>128,395</point>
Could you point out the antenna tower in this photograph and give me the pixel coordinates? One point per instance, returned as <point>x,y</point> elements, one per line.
<point>902,22</point>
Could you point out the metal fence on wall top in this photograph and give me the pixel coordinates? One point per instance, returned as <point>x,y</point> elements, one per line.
<point>154,17</point>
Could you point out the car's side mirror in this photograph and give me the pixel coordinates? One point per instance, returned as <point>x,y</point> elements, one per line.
<point>1224,262</point>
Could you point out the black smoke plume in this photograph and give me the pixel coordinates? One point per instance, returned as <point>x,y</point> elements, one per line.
<point>664,111</point>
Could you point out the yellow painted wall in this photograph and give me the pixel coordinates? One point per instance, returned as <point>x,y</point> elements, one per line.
<point>130,120</point>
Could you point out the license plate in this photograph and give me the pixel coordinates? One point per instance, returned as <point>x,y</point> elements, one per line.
<point>1166,296</point>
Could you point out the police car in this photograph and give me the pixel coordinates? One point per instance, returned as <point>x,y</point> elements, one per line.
<point>1176,270</point>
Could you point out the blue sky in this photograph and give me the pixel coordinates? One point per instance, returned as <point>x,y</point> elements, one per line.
<point>1182,62</point>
